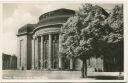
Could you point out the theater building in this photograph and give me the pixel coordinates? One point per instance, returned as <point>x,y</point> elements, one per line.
<point>39,45</point>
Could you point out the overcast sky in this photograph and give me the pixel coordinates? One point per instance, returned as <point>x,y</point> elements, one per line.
<point>16,15</point>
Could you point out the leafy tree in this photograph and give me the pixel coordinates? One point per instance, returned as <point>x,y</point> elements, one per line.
<point>90,31</point>
<point>82,32</point>
<point>114,39</point>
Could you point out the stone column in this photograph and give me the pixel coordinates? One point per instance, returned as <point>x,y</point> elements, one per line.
<point>42,39</point>
<point>50,51</point>
<point>33,53</point>
<point>60,58</point>
<point>71,64</point>
<point>36,53</point>
<point>60,62</point>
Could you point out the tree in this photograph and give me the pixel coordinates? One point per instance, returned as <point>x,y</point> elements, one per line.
<point>91,32</point>
<point>83,32</point>
<point>114,39</point>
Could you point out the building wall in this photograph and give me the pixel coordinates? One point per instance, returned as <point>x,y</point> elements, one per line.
<point>105,64</point>
<point>22,52</point>
<point>113,63</point>
<point>6,61</point>
<point>29,52</point>
<point>13,62</point>
<point>9,62</point>
<point>95,64</point>
<point>77,64</point>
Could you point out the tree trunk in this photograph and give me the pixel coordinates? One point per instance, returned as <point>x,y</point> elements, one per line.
<point>84,69</point>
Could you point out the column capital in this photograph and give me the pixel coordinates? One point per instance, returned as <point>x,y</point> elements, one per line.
<point>35,37</point>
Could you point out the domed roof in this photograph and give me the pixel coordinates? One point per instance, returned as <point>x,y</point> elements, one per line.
<point>57,12</point>
<point>59,16</point>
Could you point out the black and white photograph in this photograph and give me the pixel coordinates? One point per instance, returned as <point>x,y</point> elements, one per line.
<point>63,41</point>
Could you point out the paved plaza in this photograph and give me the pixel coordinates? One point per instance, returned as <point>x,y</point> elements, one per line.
<point>30,74</point>
<point>57,75</point>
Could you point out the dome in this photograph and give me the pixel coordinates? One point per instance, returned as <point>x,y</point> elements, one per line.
<point>59,12</point>
<point>59,16</point>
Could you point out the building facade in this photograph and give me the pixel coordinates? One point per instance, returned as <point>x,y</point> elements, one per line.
<point>39,45</point>
<point>9,62</point>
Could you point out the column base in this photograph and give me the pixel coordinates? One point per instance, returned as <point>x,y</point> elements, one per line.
<point>60,68</point>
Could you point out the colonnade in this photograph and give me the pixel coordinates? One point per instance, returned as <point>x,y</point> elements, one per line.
<point>44,52</point>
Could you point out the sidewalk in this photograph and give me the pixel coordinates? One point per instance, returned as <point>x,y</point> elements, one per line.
<point>106,75</point>
<point>56,75</point>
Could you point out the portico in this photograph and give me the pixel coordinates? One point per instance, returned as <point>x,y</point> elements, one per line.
<point>46,52</point>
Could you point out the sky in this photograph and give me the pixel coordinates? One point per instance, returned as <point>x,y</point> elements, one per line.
<point>16,15</point>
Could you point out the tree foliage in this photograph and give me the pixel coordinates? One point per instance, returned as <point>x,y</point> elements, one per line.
<point>93,32</point>
<point>115,22</point>
<point>114,45</point>
<point>90,29</point>
<point>83,31</point>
